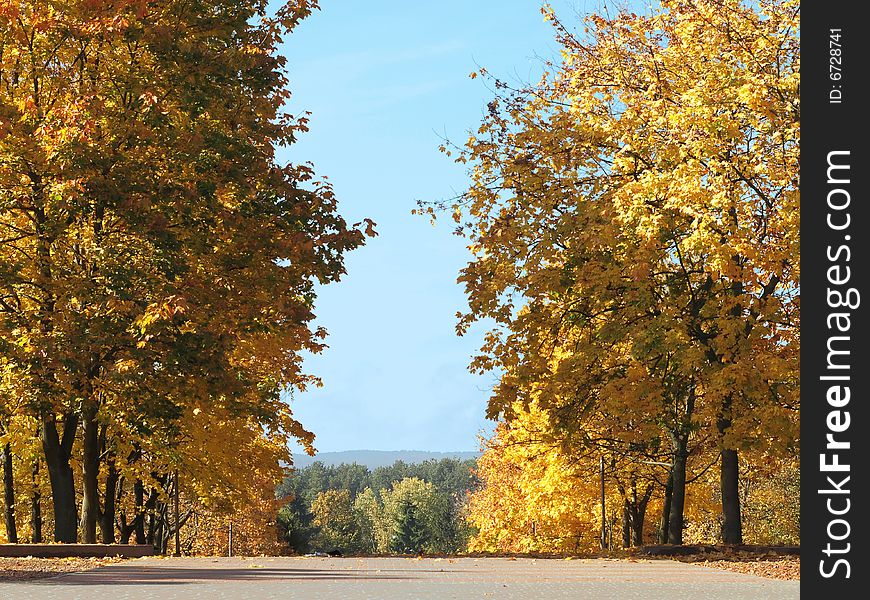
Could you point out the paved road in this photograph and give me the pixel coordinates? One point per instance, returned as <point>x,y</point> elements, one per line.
<point>399,578</point>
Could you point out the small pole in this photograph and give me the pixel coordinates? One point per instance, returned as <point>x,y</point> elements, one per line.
<point>177,522</point>
<point>230,541</point>
<point>603,514</point>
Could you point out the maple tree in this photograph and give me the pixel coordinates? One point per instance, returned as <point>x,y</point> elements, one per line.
<point>540,495</point>
<point>634,224</point>
<point>532,498</point>
<point>158,263</point>
<point>542,491</point>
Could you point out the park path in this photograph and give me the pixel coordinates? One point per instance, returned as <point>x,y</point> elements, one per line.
<point>273,578</point>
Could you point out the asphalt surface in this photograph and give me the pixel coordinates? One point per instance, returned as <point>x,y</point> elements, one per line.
<point>267,578</point>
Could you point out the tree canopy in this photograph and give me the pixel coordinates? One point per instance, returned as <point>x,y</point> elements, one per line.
<point>159,265</point>
<point>633,219</point>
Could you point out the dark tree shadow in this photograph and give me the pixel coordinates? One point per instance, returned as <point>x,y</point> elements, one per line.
<point>151,575</point>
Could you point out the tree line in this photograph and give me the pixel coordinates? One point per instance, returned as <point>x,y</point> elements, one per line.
<point>157,264</point>
<point>402,508</point>
<point>633,220</point>
<point>634,223</point>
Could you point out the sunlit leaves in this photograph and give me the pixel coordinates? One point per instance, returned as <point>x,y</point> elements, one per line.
<point>159,264</point>
<point>633,219</point>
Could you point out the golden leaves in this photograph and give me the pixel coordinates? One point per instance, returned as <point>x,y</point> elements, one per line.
<point>159,264</point>
<point>632,219</point>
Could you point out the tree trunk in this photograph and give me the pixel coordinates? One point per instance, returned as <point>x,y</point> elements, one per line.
<point>634,514</point>
<point>152,527</point>
<point>107,517</point>
<point>126,532</point>
<point>90,476</point>
<point>664,523</point>
<point>161,533</point>
<point>678,494</point>
<point>637,517</point>
<point>729,479</point>
<point>626,526</point>
<point>139,495</point>
<point>732,530</point>
<point>35,506</point>
<point>637,529</point>
<point>680,443</point>
<point>63,493</point>
<point>155,512</point>
<point>9,495</point>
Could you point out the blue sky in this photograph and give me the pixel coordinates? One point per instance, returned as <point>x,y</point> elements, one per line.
<point>384,80</point>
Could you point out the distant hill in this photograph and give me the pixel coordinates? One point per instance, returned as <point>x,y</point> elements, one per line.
<point>377,458</point>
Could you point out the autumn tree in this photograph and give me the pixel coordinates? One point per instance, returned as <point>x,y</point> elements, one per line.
<point>158,263</point>
<point>542,490</point>
<point>538,495</point>
<point>533,498</point>
<point>770,498</point>
<point>633,218</point>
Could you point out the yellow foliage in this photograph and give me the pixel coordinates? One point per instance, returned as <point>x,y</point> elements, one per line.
<point>157,264</point>
<point>634,223</point>
<point>532,498</point>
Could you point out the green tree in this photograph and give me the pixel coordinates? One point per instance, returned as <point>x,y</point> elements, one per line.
<point>294,525</point>
<point>375,531</point>
<point>448,481</point>
<point>409,529</point>
<point>384,477</point>
<point>351,477</point>
<point>336,523</point>
<point>419,516</point>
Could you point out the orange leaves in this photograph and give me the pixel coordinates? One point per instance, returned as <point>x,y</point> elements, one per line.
<point>148,99</point>
<point>369,227</point>
<point>9,10</point>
